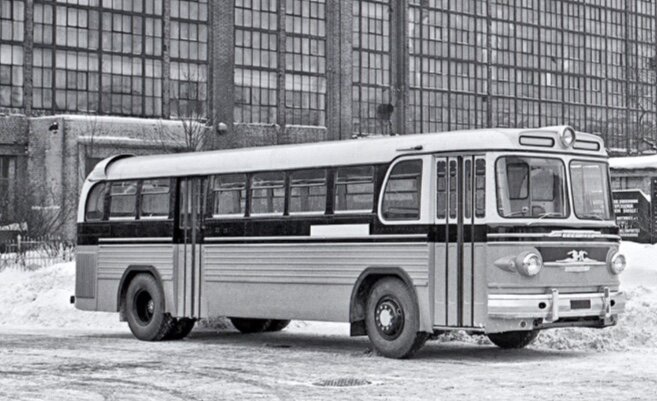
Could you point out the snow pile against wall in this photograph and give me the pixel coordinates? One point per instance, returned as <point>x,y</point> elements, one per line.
<point>41,298</point>
<point>637,327</point>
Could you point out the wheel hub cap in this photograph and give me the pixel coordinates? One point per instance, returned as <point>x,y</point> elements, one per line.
<point>145,307</point>
<point>389,318</point>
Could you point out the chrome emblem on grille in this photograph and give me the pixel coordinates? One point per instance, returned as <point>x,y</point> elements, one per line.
<point>578,261</point>
<point>577,257</point>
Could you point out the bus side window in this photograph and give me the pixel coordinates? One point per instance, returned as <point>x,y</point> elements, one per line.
<point>123,197</point>
<point>441,198</point>
<point>229,195</point>
<point>95,209</point>
<point>268,193</point>
<point>354,189</point>
<point>308,191</point>
<point>155,198</point>
<point>401,199</point>
<point>480,188</point>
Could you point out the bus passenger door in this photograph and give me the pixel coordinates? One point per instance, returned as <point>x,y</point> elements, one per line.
<point>456,256</point>
<point>187,283</point>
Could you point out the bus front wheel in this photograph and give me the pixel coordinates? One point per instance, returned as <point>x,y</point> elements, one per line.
<point>393,319</point>
<point>145,309</point>
<point>246,326</point>
<point>513,339</point>
<point>277,325</point>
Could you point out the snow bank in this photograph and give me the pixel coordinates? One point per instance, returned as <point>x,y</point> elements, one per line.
<point>40,299</point>
<point>637,327</point>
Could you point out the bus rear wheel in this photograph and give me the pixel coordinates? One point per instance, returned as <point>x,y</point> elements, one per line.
<point>247,326</point>
<point>145,309</point>
<point>393,320</point>
<point>513,339</point>
<point>181,329</point>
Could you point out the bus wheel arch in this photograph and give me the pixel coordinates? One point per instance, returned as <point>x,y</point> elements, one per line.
<point>145,310</point>
<point>124,283</point>
<point>361,292</point>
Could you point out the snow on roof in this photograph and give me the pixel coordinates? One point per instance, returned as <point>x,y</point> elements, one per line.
<point>633,162</point>
<point>101,119</point>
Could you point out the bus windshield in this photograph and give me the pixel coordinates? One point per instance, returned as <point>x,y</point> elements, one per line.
<point>531,187</point>
<point>590,190</point>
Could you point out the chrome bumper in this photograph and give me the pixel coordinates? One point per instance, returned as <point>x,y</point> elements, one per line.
<point>554,306</point>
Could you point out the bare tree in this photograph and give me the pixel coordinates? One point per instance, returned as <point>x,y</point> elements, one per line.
<point>43,218</point>
<point>641,76</point>
<point>193,136</point>
<point>93,130</point>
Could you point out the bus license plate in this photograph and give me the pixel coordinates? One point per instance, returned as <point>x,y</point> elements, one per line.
<point>580,304</point>
<point>577,268</point>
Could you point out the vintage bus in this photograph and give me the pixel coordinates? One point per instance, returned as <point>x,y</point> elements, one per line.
<point>503,232</point>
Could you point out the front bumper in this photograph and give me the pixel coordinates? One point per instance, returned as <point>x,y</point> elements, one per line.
<point>555,306</point>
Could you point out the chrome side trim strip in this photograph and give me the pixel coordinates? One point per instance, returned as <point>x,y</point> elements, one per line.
<point>309,238</point>
<point>555,243</point>
<point>556,234</point>
<point>137,239</point>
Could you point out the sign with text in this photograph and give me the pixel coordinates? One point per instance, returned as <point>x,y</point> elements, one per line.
<point>633,215</point>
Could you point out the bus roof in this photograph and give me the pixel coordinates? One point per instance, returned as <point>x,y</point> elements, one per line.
<point>347,152</point>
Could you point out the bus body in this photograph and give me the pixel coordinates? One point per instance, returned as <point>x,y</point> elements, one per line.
<point>498,231</point>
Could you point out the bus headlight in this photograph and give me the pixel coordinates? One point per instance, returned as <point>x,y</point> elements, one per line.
<point>529,263</point>
<point>567,137</point>
<point>617,263</point>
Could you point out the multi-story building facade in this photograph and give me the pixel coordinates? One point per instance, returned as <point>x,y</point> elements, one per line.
<point>281,71</point>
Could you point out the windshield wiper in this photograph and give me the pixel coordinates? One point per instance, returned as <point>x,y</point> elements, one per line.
<point>591,216</point>
<point>544,215</point>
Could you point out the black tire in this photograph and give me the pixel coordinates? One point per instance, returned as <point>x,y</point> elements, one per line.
<point>145,309</point>
<point>248,326</point>
<point>393,319</point>
<point>181,329</point>
<point>513,339</point>
<point>277,325</point>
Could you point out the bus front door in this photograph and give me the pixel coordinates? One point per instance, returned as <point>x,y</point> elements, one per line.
<point>187,283</point>
<point>457,279</point>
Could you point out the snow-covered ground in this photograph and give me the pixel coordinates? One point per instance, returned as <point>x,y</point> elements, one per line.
<point>51,351</point>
